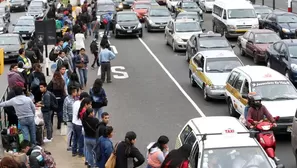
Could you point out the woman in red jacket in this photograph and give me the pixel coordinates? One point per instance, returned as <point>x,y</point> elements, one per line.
<point>178,158</point>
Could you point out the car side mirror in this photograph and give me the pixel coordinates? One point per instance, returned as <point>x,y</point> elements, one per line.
<point>232,45</point>
<point>23,43</point>
<point>282,55</point>
<point>199,69</point>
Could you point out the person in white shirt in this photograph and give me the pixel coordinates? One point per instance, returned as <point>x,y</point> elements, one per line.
<point>78,10</point>
<point>78,138</point>
<point>79,40</point>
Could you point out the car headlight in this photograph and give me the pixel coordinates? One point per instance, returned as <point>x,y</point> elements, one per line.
<point>120,5</point>
<point>1,28</point>
<point>178,39</point>
<point>217,87</point>
<point>139,25</point>
<point>22,4</point>
<point>151,22</point>
<point>256,26</point>
<point>294,67</point>
<point>231,27</point>
<point>286,30</point>
<point>118,26</point>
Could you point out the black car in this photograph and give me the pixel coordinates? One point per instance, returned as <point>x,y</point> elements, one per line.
<point>157,18</point>
<point>188,6</point>
<point>128,3</point>
<point>11,43</point>
<point>18,5</point>
<point>103,8</point>
<point>283,23</point>
<point>25,26</point>
<point>5,12</point>
<point>262,11</point>
<point>206,41</point>
<point>282,57</point>
<point>3,26</point>
<point>36,9</point>
<point>127,23</point>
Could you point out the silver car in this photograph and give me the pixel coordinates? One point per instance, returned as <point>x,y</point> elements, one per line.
<point>178,32</point>
<point>206,5</point>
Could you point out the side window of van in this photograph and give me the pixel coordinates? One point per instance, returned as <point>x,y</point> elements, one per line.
<point>185,133</point>
<point>232,78</point>
<point>217,10</point>
<point>238,83</point>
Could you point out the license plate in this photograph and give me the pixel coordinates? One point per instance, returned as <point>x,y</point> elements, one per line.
<point>289,129</point>
<point>162,27</point>
<point>241,31</point>
<point>16,6</point>
<point>130,5</point>
<point>23,35</point>
<point>129,31</point>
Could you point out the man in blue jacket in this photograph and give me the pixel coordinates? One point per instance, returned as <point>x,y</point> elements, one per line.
<point>106,147</point>
<point>108,18</point>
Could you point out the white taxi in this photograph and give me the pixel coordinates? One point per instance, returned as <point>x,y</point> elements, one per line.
<point>278,94</point>
<point>210,69</point>
<point>222,140</point>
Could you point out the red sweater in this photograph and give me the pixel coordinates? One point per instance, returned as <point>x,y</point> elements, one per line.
<point>258,114</point>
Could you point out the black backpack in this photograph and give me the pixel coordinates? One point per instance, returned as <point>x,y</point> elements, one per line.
<point>54,102</point>
<point>52,56</point>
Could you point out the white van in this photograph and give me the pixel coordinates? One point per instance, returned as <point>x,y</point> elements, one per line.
<point>233,18</point>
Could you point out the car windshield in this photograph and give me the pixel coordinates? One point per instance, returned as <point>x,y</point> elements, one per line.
<point>103,8</point>
<point>142,6</point>
<point>187,27</point>
<point>188,16</point>
<point>36,3</point>
<point>215,65</point>
<point>34,9</point>
<point>264,38</point>
<point>159,12</point>
<point>9,40</point>
<point>241,13</point>
<point>190,5</point>
<point>25,22</point>
<point>239,157</point>
<point>263,10</point>
<point>213,43</point>
<point>127,17</point>
<point>293,51</point>
<point>287,19</point>
<point>13,1</point>
<point>281,90</point>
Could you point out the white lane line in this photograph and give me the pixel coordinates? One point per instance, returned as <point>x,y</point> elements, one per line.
<point>114,49</point>
<point>99,71</point>
<point>173,79</point>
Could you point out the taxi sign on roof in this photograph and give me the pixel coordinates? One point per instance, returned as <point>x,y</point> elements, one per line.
<point>229,131</point>
<point>268,75</point>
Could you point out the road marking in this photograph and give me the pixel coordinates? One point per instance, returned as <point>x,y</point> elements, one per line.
<point>114,49</point>
<point>173,79</point>
<point>124,75</point>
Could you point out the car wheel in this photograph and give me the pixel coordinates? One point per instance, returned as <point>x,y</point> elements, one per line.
<point>205,96</point>
<point>6,31</point>
<point>116,34</point>
<point>187,56</point>
<point>166,41</point>
<point>148,28</point>
<point>140,35</point>
<point>255,58</point>
<point>242,53</point>
<point>192,81</point>
<point>296,157</point>
<point>173,46</point>
<point>214,28</point>
<point>268,63</point>
<point>231,109</point>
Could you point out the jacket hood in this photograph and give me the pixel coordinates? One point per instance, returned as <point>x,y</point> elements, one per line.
<point>11,73</point>
<point>19,100</point>
<point>156,149</point>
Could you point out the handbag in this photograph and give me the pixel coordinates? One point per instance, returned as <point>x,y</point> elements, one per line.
<point>111,162</point>
<point>80,65</point>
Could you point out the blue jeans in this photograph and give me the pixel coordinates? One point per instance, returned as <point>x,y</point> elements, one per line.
<point>90,144</point>
<point>28,128</point>
<point>107,27</point>
<point>98,111</point>
<point>78,140</point>
<point>83,76</point>
<point>48,124</point>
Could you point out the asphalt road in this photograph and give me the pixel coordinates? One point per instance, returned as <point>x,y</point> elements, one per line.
<point>152,95</point>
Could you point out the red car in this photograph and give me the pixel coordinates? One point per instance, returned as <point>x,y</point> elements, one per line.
<point>141,8</point>
<point>255,42</point>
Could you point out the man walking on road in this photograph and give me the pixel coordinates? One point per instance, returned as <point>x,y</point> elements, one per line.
<point>105,57</point>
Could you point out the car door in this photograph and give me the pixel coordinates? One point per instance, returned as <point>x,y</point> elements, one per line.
<point>170,34</point>
<point>167,28</point>
<point>274,55</point>
<point>250,44</point>
<point>181,139</point>
<point>236,93</point>
<point>230,87</point>
<point>194,155</point>
<point>294,134</point>
<point>272,22</point>
<point>243,40</point>
<point>198,74</point>
<point>283,61</point>
<point>191,46</point>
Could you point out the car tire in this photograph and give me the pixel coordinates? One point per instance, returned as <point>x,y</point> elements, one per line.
<point>173,46</point>
<point>148,29</point>
<point>255,58</point>
<point>296,157</point>
<point>241,51</point>
<point>231,109</point>
<point>140,35</point>
<point>214,28</point>
<point>166,41</point>
<point>6,31</point>
<point>187,57</point>
<point>116,34</point>
<point>205,96</point>
<point>192,81</point>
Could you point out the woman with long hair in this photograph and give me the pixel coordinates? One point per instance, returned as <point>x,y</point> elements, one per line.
<point>98,95</point>
<point>57,87</point>
<point>35,78</point>
<point>178,157</point>
<point>90,125</point>
<point>157,151</point>
<point>74,82</point>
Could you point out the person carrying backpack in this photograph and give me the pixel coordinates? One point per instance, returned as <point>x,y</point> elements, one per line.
<point>95,50</point>
<point>35,78</point>
<point>98,95</point>
<point>48,105</point>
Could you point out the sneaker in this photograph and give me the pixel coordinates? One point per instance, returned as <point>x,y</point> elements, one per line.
<point>80,156</point>
<point>74,154</point>
<point>47,140</point>
<point>86,163</point>
<point>69,149</point>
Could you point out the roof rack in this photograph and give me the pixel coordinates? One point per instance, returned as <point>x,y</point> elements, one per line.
<point>210,35</point>
<point>252,134</point>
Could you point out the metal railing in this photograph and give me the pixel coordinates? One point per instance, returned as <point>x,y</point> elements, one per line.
<point>3,116</point>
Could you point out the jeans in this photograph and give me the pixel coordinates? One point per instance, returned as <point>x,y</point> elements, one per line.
<point>96,33</point>
<point>105,69</point>
<point>78,140</point>
<point>95,60</point>
<point>83,76</point>
<point>85,149</point>
<point>28,128</point>
<point>98,111</point>
<point>90,144</point>
<point>107,27</point>
<point>59,113</point>
<point>48,124</point>
<point>89,28</point>
<point>69,134</point>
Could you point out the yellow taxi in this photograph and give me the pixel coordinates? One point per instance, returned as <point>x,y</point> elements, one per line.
<point>224,141</point>
<point>209,70</point>
<point>278,94</point>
